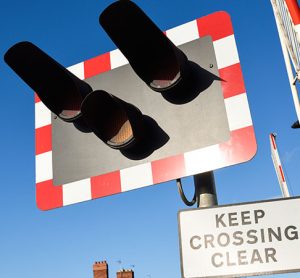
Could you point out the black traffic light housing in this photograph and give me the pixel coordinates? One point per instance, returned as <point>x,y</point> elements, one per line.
<point>60,90</point>
<point>117,123</point>
<point>154,58</point>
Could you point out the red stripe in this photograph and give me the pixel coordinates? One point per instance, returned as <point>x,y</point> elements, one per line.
<point>36,98</point>
<point>294,10</point>
<point>97,65</point>
<point>168,169</point>
<point>232,81</point>
<point>240,148</point>
<point>43,139</point>
<point>281,173</point>
<point>105,185</point>
<point>217,25</point>
<point>273,141</point>
<point>48,196</point>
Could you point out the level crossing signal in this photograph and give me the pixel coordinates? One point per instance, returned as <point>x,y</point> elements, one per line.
<point>157,109</point>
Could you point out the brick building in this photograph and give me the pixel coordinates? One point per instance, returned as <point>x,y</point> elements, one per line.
<point>125,273</point>
<point>100,270</point>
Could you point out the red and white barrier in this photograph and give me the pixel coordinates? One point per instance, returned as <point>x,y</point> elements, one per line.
<point>278,166</point>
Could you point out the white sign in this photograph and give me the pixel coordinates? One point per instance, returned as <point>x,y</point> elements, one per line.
<point>240,240</point>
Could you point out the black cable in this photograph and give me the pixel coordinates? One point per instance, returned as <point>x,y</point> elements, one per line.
<point>183,197</point>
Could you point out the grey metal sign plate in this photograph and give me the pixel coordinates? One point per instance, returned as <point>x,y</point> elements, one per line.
<point>184,127</point>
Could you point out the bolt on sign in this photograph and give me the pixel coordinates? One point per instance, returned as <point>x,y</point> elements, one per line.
<point>195,116</point>
<point>240,240</point>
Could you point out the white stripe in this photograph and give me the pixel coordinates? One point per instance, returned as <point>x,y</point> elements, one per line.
<point>78,70</point>
<point>78,191</point>
<point>226,52</point>
<point>117,59</point>
<point>184,33</point>
<point>238,112</point>
<point>271,143</point>
<point>297,29</point>
<point>43,167</point>
<point>42,115</point>
<point>203,160</point>
<point>136,177</point>
<point>274,153</point>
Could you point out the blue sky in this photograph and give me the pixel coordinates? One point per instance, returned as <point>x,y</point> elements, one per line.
<point>139,227</point>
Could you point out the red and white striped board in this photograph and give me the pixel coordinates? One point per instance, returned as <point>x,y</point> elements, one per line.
<point>239,148</point>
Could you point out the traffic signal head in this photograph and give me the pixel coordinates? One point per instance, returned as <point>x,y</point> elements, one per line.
<point>117,123</point>
<point>154,58</point>
<point>60,90</point>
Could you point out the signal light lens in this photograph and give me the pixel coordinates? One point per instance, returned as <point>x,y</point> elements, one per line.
<point>164,81</point>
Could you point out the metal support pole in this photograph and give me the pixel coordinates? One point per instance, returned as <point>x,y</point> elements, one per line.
<point>205,189</point>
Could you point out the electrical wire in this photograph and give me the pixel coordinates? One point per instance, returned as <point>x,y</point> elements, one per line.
<point>183,197</point>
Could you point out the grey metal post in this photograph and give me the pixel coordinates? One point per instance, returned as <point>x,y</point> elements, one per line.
<point>205,189</point>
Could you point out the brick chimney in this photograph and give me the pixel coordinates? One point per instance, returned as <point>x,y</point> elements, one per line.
<point>100,269</point>
<point>125,273</point>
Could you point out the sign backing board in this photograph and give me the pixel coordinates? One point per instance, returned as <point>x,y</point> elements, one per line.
<point>240,240</point>
<point>235,145</point>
